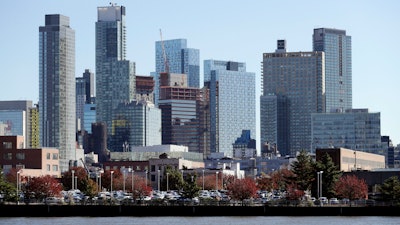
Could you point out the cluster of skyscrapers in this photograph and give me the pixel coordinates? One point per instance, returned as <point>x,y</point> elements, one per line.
<point>306,100</point>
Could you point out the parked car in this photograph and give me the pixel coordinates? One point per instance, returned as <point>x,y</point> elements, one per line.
<point>370,202</point>
<point>333,201</point>
<point>53,200</point>
<point>345,201</point>
<point>323,200</point>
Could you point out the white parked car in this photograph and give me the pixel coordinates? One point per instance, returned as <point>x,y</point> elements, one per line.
<point>53,200</point>
<point>333,201</point>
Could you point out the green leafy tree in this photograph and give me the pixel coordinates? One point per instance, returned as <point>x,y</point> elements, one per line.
<point>330,176</point>
<point>7,189</point>
<point>390,189</point>
<point>227,180</point>
<point>175,180</point>
<point>351,187</point>
<point>190,188</point>
<point>91,188</point>
<point>303,169</point>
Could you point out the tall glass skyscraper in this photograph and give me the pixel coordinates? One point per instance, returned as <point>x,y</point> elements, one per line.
<point>84,95</point>
<point>115,76</point>
<point>294,87</point>
<point>57,87</point>
<point>232,103</point>
<point>89,116</point>
<point>180,59</point>
<point>337,47</point>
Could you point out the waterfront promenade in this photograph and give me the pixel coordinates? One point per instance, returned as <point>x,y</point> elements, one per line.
<point>154,211</point>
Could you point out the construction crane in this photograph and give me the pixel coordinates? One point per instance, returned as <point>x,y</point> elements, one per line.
<point>166,66</point>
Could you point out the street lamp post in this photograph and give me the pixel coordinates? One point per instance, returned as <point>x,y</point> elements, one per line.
<point>203,180</point>
<point>100,182</point>
<point>73,179</point>
<point>133,182</point>
<point>18,182</point>
<point>111,186</point>
<point>355,160</point>
<point>216,180</point>
<point>319,183</point>
<point>182,179</point>
<point>158,175</point>
<point>124,179</point>
<point>167,182</point>
<point>146,177</point>
<point>97,181</point>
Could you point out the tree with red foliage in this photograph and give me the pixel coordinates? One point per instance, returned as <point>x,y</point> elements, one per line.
<point>44,186</point>
<point>241,189</point>
<point>293,193</point>
<point>277,180</point>
<point>209,182</point>
<point>264,182</point>
<point>140,188</point>
<point>80,174</point>
<point>349,186</point>
<point>117,180</point>
<point>83,182</point>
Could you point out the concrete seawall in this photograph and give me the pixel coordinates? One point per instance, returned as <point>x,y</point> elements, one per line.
<point>121,210</point>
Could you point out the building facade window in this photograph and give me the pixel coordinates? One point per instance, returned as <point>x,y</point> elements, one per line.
<point>7,167</point>
<point>20,167</point>
<point>55,167</point>
<point>20,156</point>
<point>55,156</point>
<point>48,167</point>
<point>48,155</point>
<point>7,145</point>
<point>7,156</point>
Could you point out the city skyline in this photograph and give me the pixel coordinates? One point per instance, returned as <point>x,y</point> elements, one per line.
<point>220,30</point>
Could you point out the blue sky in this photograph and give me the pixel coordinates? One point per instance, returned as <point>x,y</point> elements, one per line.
<point>221,30</point>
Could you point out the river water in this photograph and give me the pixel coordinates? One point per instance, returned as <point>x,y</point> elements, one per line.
<point>256,220</point>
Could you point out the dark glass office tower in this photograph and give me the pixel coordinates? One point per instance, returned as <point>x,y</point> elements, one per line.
<point>115,76</point>
<point>57,87</point>
<point>338,76</point>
